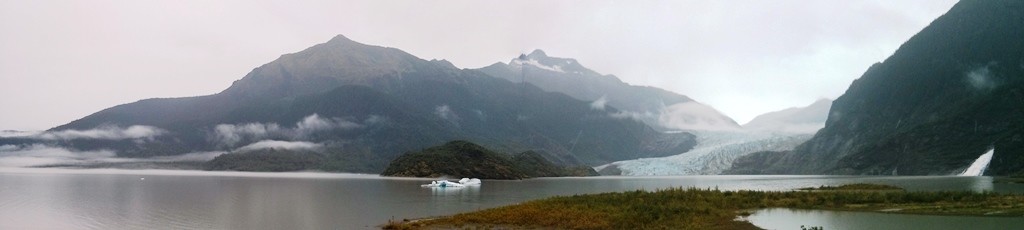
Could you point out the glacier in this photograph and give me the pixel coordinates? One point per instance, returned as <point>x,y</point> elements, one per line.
<point>714,153</point>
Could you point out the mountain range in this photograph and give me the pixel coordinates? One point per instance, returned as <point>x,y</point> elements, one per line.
<point>951,93</point>
<point>361,106</point>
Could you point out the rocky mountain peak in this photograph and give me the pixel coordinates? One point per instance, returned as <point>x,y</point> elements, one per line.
<point>339,61</point>
<point>540,60</point>
<point>340,39</point>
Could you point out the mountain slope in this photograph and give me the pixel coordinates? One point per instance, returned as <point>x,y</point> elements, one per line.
<point>339,61</point>
<point>808,119</point>
<point>363,105</point>
<point>940,101</point>
<point>655,106</point>
<point>317,69</point>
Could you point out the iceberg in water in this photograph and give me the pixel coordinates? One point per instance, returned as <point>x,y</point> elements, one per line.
<point>467,181</point>
<point>978,167</point>
<point>448,184</point>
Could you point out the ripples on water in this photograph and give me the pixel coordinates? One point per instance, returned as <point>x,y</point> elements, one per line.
<point>120,199</point>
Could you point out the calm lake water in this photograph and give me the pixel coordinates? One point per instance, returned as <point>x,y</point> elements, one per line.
<point>147,199</point>
<point>781,218</point>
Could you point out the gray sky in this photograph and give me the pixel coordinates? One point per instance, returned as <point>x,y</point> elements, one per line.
<point>62,60</point>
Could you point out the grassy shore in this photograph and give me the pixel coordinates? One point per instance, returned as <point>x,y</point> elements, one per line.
<point>854,187</point>
<point>692,208</point>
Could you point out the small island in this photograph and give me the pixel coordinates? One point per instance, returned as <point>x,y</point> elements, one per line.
<point>465,159</point>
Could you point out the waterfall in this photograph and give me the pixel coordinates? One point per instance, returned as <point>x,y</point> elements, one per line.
<point>978,167</point>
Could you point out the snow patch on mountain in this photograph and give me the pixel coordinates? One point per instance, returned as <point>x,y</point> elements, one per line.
<point>535,63</point>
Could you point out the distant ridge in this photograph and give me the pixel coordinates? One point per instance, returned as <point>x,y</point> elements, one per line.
<point>657,107</point>
<point>807,119</point>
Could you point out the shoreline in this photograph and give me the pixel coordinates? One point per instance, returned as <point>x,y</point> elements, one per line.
<point>693,208</point>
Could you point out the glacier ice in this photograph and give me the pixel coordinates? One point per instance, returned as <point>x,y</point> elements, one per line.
<point>714,153</point>
<point>448,184</point>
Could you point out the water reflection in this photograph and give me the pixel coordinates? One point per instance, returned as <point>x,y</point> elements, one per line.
<point>781,218</point>
<point>979,184</point>
<point>85,199</point>
<point>455,191</point>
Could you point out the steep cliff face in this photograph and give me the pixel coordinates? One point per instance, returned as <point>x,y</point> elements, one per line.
<point>942,99</point>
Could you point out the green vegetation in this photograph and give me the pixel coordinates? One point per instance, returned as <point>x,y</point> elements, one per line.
<point>694,208</point>
<point>1009,180</point>
<point>330,159</point>
<point>465,159</point>
<point>535,165</point>
<point>266,160</point>
<point>855,187</point>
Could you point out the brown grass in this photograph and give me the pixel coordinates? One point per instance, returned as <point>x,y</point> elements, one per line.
<point>710,209</point>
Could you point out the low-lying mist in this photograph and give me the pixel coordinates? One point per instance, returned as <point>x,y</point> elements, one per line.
<point>42,155</point>
<point>46,148</point>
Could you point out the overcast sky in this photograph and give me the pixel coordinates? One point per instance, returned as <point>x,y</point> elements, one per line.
<point>62,60</point>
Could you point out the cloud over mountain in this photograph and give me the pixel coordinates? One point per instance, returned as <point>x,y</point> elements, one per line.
<point>102,133</point>
<point>230,135</point>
